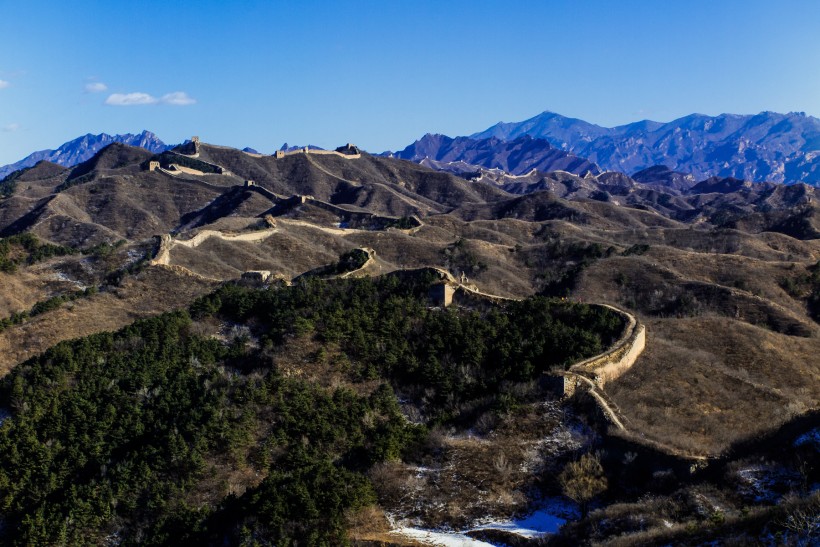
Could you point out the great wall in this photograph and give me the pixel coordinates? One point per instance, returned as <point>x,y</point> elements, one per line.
<point>588,376</point>
<point>591,374</point>
<point>619,358</point>
<point>349,151</point>
<point>369,263</point>
<point>167,242</point>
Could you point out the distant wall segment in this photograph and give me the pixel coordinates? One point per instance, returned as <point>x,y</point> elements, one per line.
<point>314,152</point>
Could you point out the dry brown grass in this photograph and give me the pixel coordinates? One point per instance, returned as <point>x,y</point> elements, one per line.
<point>21,290</point>
<point>154,291</point>
<point>369,527</point>
<point>704,383</point>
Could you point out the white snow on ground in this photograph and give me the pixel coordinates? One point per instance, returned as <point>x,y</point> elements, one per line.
<point>444,539</point>
<point>766,483</point>
<point>547,520</point>
<point>134,255</point>
<point>532,526</point>
<point>60,276</point>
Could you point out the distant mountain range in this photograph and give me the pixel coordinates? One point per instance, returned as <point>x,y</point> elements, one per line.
<point>516,156</point>
<point>763,147</point>
<point>772,147</point>
<point>83,148</point>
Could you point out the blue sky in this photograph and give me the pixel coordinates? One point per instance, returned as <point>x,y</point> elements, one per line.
<point>381,74</point>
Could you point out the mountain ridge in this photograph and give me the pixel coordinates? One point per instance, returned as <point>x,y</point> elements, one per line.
<point>517,157</point>
<point>84,148</point>
<point>767,146</point>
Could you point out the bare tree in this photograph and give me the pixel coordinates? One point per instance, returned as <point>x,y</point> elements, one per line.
<point>582,480</point>
<point>804,520</point>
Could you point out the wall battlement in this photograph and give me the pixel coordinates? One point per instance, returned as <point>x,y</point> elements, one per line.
<point>591,375</point>
<point>619,358</point>
<point>350,153</point>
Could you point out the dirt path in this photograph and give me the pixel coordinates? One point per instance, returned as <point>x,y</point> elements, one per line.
<point>330,174</point>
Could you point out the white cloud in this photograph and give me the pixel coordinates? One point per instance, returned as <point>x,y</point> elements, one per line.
<point>11,127</point>
<point>130,99</point>
<point>4,84</point>
<point>95,87</point>
<point>177,98</point>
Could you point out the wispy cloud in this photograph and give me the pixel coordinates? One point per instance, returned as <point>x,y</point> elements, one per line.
<point>4,84</point>
<point>95,87</point>
<point>177,98</point>
<point>11,127</point>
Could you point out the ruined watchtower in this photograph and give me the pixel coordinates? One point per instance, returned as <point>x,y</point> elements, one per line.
<point>441,294</point>
<point>348,150</point>
<point>257,277</point>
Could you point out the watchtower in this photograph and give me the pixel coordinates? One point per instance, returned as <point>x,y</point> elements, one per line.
<point>441,294</point>
<point>249,183</point>
<point>153,165</point>
<point>279,154</point>
<point>348,150</point>
<point>256,276</point>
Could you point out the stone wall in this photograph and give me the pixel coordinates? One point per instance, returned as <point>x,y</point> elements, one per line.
<point>591,375</point>
<point>619,358</point>
<point>281,153</point>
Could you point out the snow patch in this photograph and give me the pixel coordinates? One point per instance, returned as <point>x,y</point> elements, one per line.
<point>764,483</point>
<point>444,539</point>
<point>546,520</point>
<point>60,276</point>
